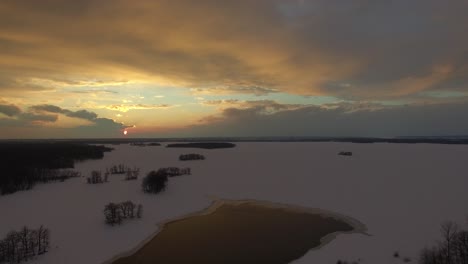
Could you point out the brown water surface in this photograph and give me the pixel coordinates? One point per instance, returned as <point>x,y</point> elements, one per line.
<point>238,233</point>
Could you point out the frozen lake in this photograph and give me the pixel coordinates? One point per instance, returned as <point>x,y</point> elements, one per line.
<point>401,192</point>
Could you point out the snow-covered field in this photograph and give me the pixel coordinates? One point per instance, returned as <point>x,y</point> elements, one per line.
<point>401,192</point>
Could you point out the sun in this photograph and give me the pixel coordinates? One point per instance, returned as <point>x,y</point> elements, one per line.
<point>125,132</point>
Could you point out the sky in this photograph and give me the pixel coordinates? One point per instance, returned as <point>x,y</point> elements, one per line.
<point>211,68</point>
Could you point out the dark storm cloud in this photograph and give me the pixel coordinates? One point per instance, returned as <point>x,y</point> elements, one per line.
<point>337,120</point>
<point>82,114</point>
<point>9,109</point>
<point>39,116</point>
<point>33,117</point>
<point>48,108</point>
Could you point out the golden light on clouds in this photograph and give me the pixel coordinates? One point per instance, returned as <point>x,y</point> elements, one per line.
<point>159,64</point>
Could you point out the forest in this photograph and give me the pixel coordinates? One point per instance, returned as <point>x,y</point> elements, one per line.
<point>24,164</point>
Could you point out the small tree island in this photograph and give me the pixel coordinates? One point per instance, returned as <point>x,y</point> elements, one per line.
<point>193,156</point>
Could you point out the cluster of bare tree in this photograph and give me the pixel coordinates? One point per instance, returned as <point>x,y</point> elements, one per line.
<point>115,213</point>
<point>117,169</point>
<point>23,245</point>
<point>96,177</point>
<point>132,174</point>
<point>174,171</point>
<point>192,156</point>
<point>155,181</point>
<point>452,249</point>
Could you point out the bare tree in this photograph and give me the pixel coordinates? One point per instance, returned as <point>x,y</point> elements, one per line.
<point>449,231</point>
<point>139,213</point>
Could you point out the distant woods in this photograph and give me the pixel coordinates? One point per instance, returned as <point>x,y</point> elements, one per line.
<point>185,157</point>
<point>23,245</point>
<point>25,164</point>
<point>203,145</point>
<point>143,144</point>
<point>115,213</point>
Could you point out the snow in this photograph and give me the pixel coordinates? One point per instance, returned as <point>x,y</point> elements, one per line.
<point>401,192</point>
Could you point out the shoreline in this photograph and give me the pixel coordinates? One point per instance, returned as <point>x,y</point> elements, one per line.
<point>358,227</point>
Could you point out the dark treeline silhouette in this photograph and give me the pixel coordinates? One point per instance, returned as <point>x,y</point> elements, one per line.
<point>192,156</point>
<point>115,213</point>
<point>457,140</point>
<point>203,145</point>
<point>25,164</point>
<point>23,245</point>
<point>155,181</point>
<point>143,144</point>
<point>451,249</point>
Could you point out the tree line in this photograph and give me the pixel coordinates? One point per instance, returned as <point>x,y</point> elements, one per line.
<point>24,164</point>
<point>115,213</point>
<point>23,245</point>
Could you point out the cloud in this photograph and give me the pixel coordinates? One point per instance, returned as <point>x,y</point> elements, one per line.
<point>354,50</point>
<point>83,114</point>
<point>48,108</point>
<point>54,121</point>
<point>33,117</point>
<point>266,106</point>
<point>340,120</point>
<point>9,109</point>
<point>255,90</point>
<point>127,107</point>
